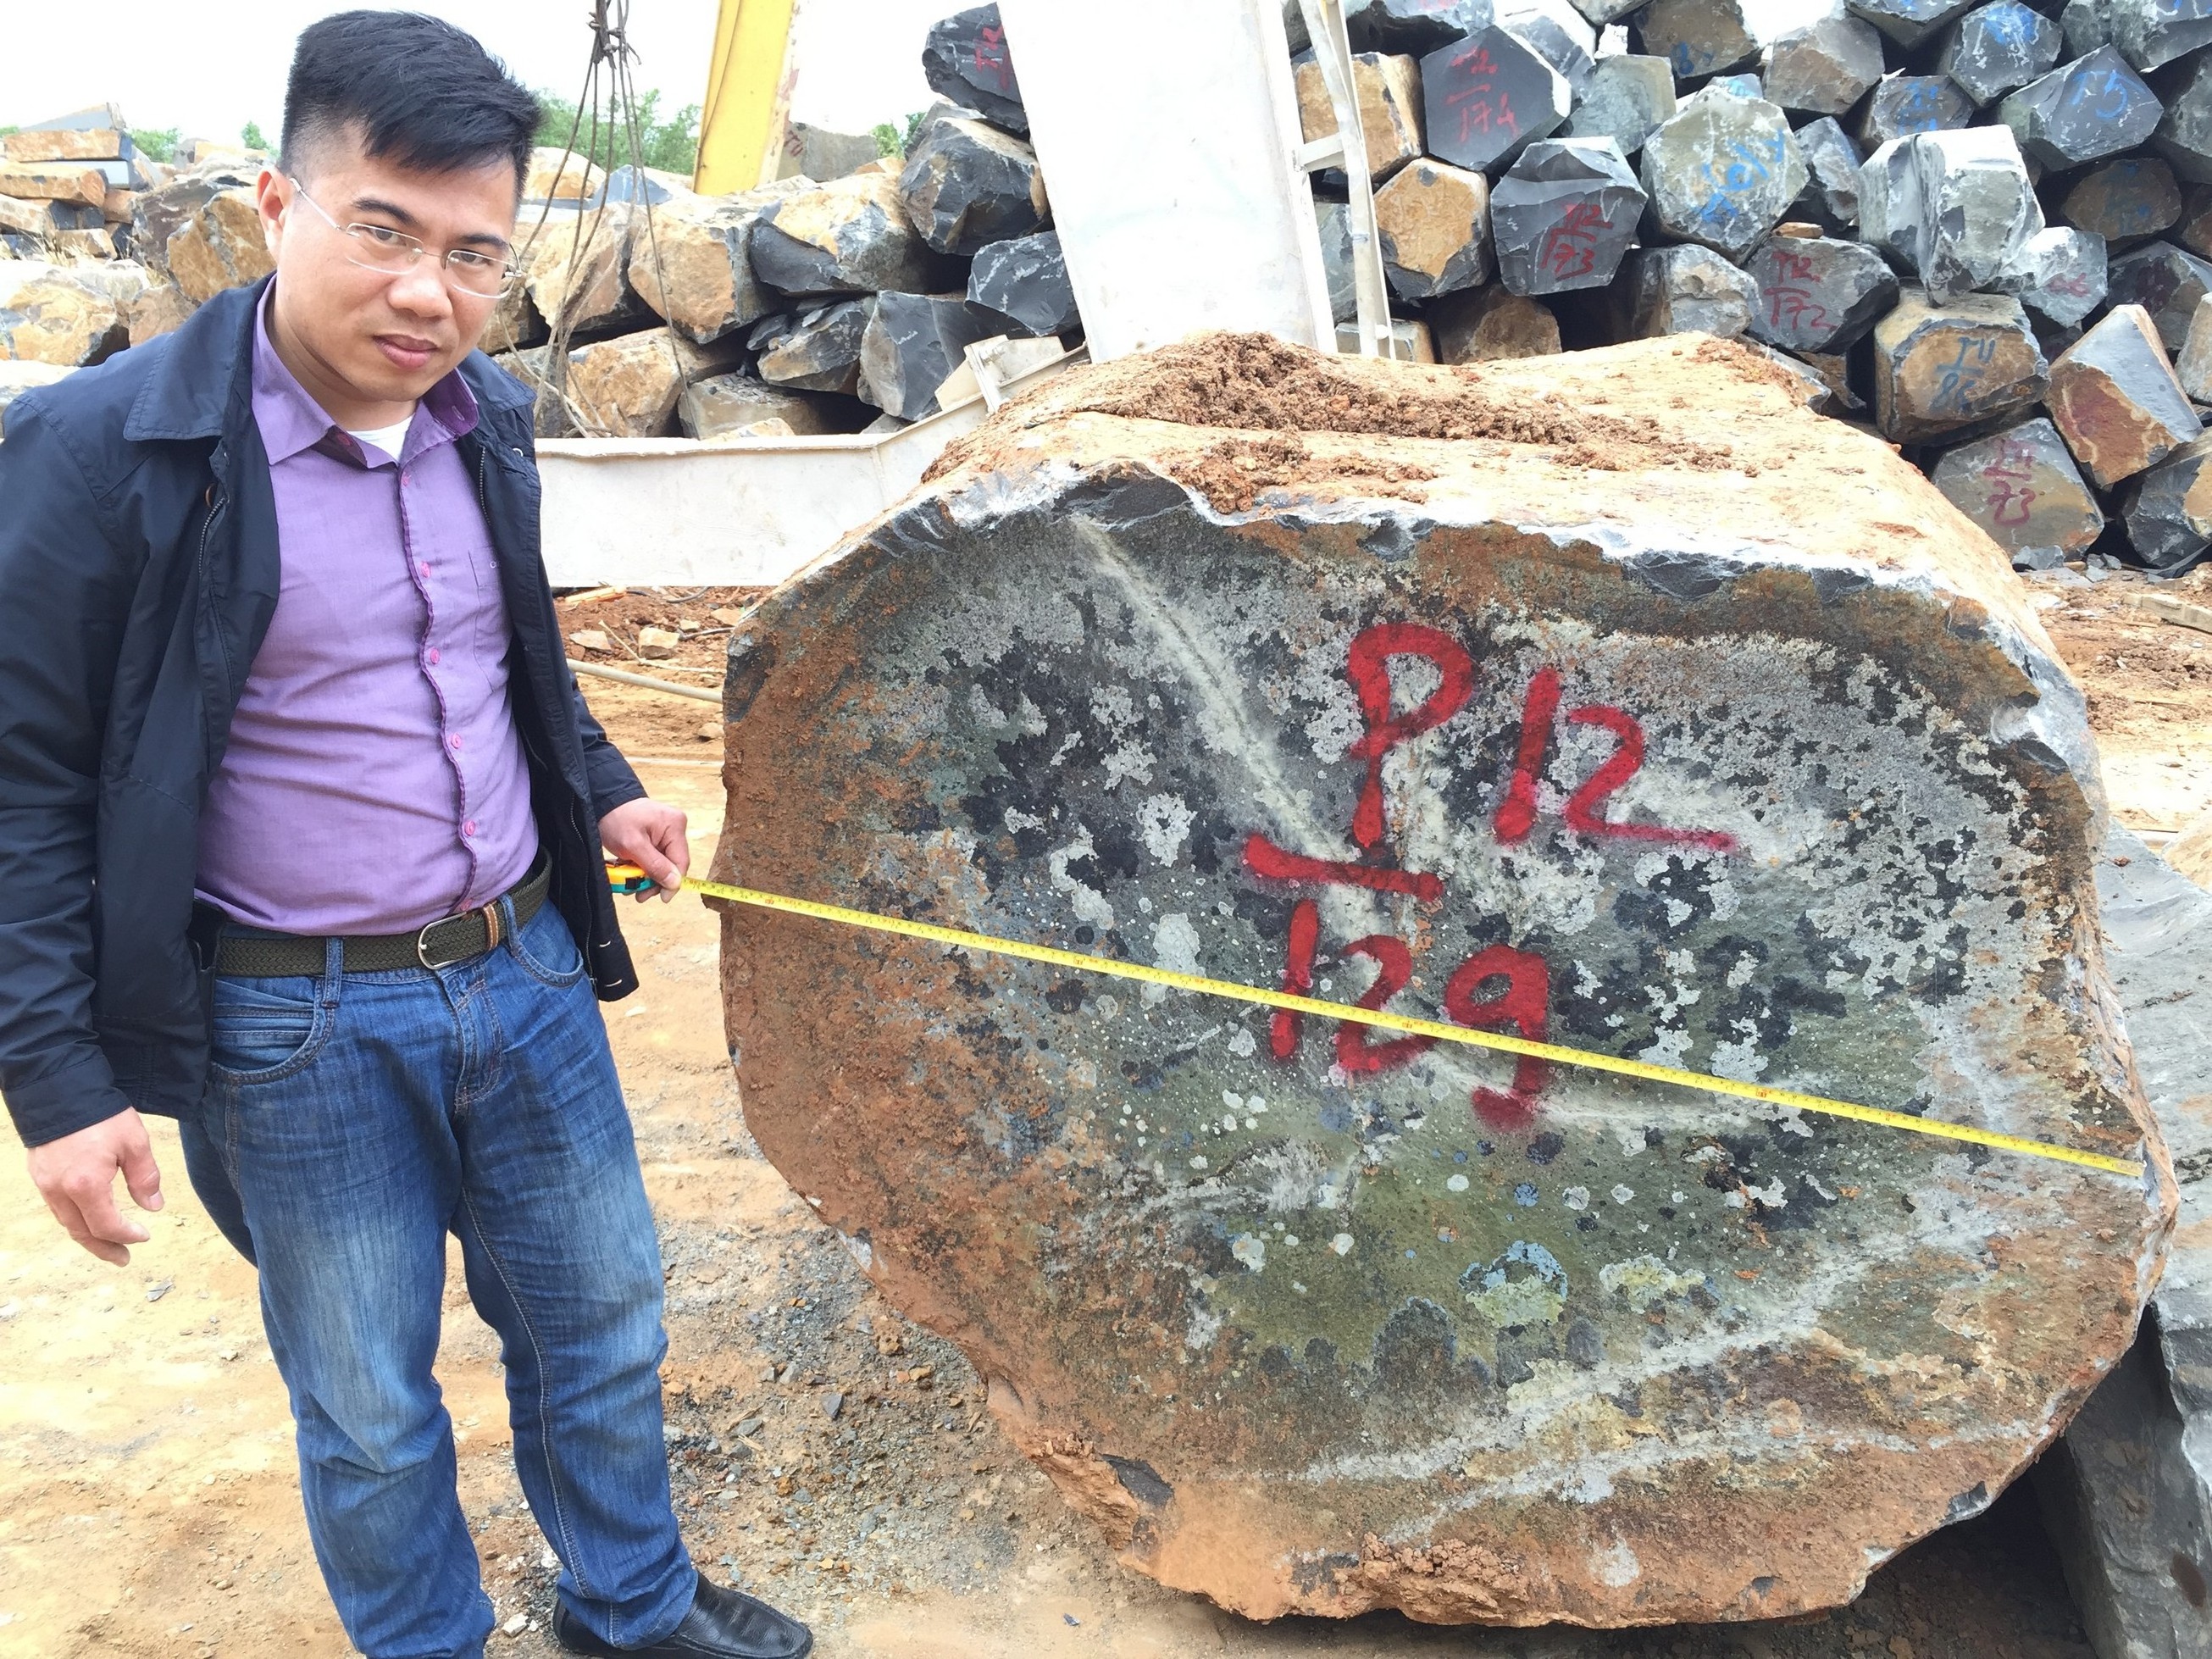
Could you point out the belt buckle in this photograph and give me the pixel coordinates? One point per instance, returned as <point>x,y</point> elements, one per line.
<point>422,942</point>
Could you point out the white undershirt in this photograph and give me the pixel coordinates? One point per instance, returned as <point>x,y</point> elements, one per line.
<point>389,439</point>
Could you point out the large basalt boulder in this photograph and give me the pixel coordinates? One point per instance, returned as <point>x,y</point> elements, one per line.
<point>910,348</point>
<point>214,238</point>
<point>1615,698</point>
<point>626,387</point>
<point>815,350</point>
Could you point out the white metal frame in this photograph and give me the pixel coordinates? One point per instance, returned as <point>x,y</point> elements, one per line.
<point>1346,147</point>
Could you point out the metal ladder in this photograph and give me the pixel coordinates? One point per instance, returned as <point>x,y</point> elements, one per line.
<point>1346,147</point>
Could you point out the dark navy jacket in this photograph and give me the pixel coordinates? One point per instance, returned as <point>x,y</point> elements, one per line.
<point>138,571</point>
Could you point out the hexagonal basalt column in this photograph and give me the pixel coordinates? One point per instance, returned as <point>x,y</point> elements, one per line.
<point>1831,196</point>
<point>2114,394</point>
<point>2124,200</point>
<point>1816,293</point>
<point>1908,22</point>
<point>2151,33</point>
<point>2059,272</point>
<point>1685,289</point>
<point>1487,98</point>
<point>2022,487</point>
<point>1823,68</point>
<point>2185,131</point>
<point>1995,48</point>
<point>1698,38</point>
<point>1770,769</point>
<point>1940,366</point>
<point>1565,215</point>
<point>2082,112</point>
<point>1906,104</point>
<point>2164,281</point>
<point>1434,221</point>
<point>1722,171</point>
<point>2169,508</point>
<point>1628,96</point>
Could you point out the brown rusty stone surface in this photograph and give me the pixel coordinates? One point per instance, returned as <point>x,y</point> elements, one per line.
<point>2114,395</point>
<point>1388,89</point>
<point>1632,703</point>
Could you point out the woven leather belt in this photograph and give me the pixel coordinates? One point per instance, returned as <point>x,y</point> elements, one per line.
<point>446,942</point>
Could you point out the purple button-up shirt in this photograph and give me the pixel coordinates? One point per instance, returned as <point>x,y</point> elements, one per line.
<point>373,781</point>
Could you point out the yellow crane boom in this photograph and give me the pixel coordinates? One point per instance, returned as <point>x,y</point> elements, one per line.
<point>747,109</point>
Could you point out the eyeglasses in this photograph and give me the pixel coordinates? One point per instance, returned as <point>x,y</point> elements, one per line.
<point>393,253</point>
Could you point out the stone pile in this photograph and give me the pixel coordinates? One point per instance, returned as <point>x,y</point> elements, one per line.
<point>68,186</point>
<point>825,304</point>
<point>1614,699</point>
<point>1977,229</point>
<point>839,299</point>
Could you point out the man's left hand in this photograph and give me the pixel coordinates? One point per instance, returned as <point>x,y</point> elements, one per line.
<point>649,835</point>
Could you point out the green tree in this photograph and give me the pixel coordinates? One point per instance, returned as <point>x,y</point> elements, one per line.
<point>155,144</point>
<point>913,128</point>
<point>888,141</point>
<point>250,135</point>
<point>672,146</point>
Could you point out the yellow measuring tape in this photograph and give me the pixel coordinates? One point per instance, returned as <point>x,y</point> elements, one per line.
<point>630,878</point>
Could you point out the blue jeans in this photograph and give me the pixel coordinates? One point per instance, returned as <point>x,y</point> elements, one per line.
<point>353,1120</point>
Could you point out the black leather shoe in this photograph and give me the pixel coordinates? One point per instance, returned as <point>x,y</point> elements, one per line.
<point>723,1624</point>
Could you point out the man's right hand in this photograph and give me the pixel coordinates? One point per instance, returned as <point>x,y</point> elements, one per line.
<point>76,1175</point>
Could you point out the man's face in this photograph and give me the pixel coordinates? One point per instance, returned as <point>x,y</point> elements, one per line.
<point>376,336</point>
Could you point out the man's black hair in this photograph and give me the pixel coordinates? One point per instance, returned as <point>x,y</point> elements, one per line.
<point>421,92</point>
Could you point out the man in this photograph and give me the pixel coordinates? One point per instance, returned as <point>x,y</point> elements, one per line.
<point>301,832</point>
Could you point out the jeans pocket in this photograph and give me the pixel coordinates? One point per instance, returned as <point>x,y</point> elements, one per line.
<point>547,950</point>
<point>264,1028</point>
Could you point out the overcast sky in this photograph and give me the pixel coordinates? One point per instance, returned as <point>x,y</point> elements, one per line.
<point>209,66</point>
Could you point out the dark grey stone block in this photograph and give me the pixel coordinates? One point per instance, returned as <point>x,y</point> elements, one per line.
<point>1818,294</point>
<point>1722,171</point>
<point>1025,281</point>
<point>912,343</point>
<point>1905,104</point>
<point>1564,216</point>
<point>2082,112</point>
<point>1824,67</point>
<point>1995,48</point>
<point>965,57</point>
<point>1488,97</point>
<point>1628,96</point>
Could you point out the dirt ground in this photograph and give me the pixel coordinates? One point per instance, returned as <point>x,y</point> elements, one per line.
<point>826,1454</point>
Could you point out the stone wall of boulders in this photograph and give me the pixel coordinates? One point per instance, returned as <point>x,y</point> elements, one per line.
<point>810,305</point>
<point>1981,228</point>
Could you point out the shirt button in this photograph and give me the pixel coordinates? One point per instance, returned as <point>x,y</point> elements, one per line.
<point>469,827</point>
<point>433,656</point>
<point>422,569</point>
<point>453,742</point>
